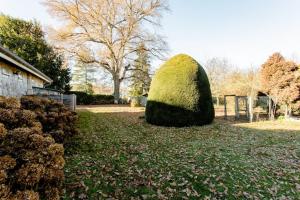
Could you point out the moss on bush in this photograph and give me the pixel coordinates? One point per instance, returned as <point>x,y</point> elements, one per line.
<point>180,94</point>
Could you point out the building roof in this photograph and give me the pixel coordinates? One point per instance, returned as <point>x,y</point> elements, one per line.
<point>19,62</point>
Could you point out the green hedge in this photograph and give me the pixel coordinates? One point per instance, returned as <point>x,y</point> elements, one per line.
<point>180,94</point>
<point>88,99</point>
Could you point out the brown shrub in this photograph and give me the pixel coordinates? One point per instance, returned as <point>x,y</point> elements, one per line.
<point>58,135</point>
<point>49,139</point>
<point>25,195</point>
<point>54,176</point>
<point>30,159</point>
<point>3,132</point>
<point>8,118</point>
<point>34,103</point>
<point>58,162</point>
<point>30,174</point>
<point>4,191</point>
<point>14,118</point>
<point>39,163</point>
<point>16,140</point>
<point>37,129</point>
<point>56,150</point>
<point>9,102</point>
<point>26,118</point>
<point>56,119</point>
<point>3,176</point>
<point>36,141</point>
<point>7,162</point>
<point>52,193</point>
<point>34,156</point>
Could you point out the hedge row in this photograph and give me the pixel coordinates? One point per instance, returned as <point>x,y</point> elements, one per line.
<point>97,99</point>
<point>31,160</point>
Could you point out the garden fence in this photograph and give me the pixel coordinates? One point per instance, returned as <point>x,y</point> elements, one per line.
<point>68,100</point>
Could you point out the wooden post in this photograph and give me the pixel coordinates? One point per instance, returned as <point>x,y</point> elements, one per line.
<point>237,114</point>
<point>225,108</point>
<point>250,109</point>
<point>270,108</point>
<point>74,102</point>
<point>247,107</point>
<point>61,97</point>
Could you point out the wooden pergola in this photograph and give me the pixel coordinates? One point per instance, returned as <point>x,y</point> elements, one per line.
<point>248,109</point>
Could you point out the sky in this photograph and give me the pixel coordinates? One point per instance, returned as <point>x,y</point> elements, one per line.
<point>245,32</point>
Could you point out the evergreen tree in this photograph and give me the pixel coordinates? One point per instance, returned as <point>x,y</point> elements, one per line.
<point>27,40</point>
<point>83,75</point>
<point>140,79</point>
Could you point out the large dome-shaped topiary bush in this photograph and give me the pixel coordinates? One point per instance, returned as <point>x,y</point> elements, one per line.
<point>180,94</point>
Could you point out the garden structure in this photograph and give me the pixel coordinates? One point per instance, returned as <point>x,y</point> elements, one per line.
<point>248,108</point>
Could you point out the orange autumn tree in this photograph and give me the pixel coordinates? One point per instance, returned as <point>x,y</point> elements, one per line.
<point>280,79</point>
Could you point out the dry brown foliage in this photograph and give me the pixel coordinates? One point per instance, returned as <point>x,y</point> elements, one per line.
<point>31,163</point>
<point>3,131</point>
<point>281,80</point>
<point>9,102</point>
<point>56,119</point>
<point>27,194</point>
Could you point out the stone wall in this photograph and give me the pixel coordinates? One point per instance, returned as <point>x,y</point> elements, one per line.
<point>14,82</point>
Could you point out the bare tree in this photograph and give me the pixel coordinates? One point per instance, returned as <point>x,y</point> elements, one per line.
<point>107,33</point>
<point>242,82</point>
<point>217,70</point>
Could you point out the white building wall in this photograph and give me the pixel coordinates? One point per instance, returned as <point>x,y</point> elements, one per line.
<point>15,83</point>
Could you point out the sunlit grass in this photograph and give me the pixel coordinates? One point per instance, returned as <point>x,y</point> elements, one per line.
<point>118,155</point>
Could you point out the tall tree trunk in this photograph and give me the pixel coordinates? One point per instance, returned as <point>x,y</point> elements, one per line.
<point>117,83</point>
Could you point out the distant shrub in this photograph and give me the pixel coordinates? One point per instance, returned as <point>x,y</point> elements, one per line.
<point>88,99</point>
<point>102,99</point>
<point>135,102</point>
<point>180,94</point>
<point>83,98</point>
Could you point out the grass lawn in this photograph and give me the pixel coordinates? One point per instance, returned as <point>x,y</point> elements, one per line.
<point>119,156</point>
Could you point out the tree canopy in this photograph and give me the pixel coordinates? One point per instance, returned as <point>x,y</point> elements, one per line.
<point>281,80</point>
<point>27,40</point>
<point>107,33</point>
